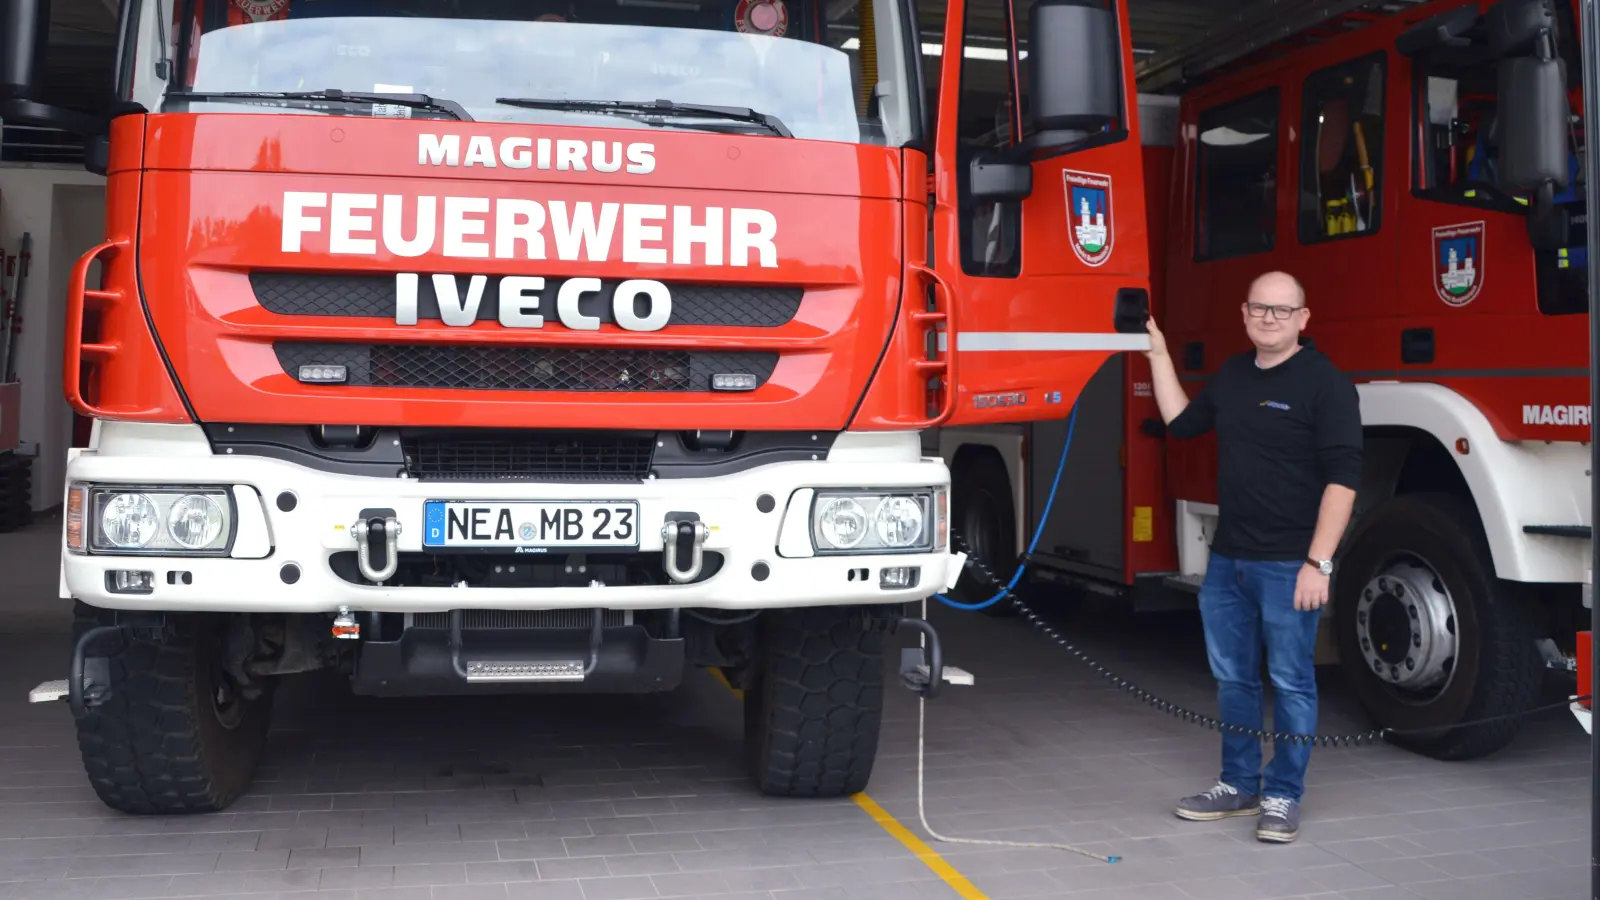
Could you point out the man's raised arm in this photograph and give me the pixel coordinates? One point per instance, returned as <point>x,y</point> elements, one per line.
<point>1183,418</point>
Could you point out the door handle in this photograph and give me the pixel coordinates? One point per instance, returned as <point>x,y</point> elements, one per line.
<point>1416,345</point>
<point>1131,311</point>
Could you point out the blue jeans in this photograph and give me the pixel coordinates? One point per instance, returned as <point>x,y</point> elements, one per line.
<point>1245,604</point>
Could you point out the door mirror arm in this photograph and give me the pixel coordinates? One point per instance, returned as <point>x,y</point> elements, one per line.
<point>999,176</point>
<point>24,27</point>
<point>68,120</point>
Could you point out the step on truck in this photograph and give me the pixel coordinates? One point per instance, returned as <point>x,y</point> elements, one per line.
<point>1417,167</point>
<point>465,348</point>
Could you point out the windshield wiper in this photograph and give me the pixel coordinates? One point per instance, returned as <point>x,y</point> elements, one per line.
<point>415,101</point>
<point>666,107</point>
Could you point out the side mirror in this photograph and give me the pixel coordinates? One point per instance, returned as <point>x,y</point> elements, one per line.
<point>1549,225</point>
<point>1533,124</point>
<point>1075,70</point>
<point>97,154</point>
<point>1447,29</point>
<point>1519,27</point>
<point>993,180</point>
<point>24,27</point>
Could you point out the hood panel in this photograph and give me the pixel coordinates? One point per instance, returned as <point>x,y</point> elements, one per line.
<point>515,297</point>
<point>494,151</point>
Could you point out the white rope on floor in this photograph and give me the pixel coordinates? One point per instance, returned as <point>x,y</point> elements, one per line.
<point>922,814</point>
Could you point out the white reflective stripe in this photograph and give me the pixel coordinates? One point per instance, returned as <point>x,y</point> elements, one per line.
<point>1014,341</point>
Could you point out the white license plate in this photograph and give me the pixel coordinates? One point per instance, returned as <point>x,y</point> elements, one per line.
<point>530,526</point>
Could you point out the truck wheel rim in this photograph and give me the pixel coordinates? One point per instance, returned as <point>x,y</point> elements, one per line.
<point>1406,628</point>
<point>226,703</point>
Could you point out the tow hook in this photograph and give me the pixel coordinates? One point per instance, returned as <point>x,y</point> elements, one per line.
<point>345,626</point>
<point>926,675</point>
<point>375,535</point>
<point>680,538</point>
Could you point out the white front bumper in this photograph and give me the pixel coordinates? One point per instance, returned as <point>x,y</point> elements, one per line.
<point>328,504</point>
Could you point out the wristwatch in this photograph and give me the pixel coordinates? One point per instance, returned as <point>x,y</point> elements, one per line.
<point>1325,566</point>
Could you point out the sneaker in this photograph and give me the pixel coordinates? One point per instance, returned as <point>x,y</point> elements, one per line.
<point>1280,820</point>
<point>1218,803</point>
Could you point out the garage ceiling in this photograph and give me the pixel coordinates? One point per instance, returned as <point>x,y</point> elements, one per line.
<point>82,47</point>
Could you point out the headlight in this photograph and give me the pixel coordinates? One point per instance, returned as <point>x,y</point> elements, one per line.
<point>195,521</point>
<point>841,522</point>
<point>165,520</point>
<point>128,521</point>
<point>857,522</point>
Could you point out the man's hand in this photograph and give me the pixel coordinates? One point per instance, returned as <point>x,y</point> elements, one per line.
<point>1310,589</point>
<point>1158,341</point>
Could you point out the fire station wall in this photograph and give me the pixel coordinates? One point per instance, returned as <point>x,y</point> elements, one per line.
<point>63,207</point>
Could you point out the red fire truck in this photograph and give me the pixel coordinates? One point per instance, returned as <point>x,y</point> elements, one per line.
<point>563,347</point>
<point>1418,172</point>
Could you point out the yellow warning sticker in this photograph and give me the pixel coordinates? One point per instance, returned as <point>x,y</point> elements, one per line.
<point>1143,524</point>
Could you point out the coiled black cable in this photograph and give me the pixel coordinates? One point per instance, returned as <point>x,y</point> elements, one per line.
<point>1201,719</point>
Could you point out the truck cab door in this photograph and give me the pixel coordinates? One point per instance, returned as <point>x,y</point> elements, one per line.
<point>1039,243</point>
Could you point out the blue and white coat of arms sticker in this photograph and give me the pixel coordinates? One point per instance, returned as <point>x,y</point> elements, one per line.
<point>1458,262</point>
<point>1090,229</point>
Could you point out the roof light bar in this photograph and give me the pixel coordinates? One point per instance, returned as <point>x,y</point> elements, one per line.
<point>996,54</point>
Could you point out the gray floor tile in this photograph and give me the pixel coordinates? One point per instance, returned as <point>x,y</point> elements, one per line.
<point>429,875</point>
<point>470,892</point>
<point>404,893</point>
<point>549,890</point>
<point>630,887</point>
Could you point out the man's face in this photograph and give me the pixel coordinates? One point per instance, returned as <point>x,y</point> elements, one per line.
<point>1272,320</point>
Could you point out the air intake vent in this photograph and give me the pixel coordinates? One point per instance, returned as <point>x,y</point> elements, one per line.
<point>506,619</point>
<point>503,368</point>
<point>373,296</point>
<point>530,456</point>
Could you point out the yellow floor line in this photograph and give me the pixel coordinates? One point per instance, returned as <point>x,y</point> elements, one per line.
<point>920,850</point>
<point>723,680</point>
<point>940,867</point>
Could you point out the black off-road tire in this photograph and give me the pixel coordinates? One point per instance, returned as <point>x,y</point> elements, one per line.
<point>813,711</point>
<point>1498,669</point>
<point>984,516</point>
<point>159,744</point>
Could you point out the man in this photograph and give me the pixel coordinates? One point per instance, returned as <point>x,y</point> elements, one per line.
<point>1288,429</point>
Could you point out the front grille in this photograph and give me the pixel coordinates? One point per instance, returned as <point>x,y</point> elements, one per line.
<point>312,294</point>
<point>502,368</point>
<point>508,619</point>
<point>525,456</point>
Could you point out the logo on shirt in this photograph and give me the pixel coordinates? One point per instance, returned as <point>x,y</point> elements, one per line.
<point>1089,226</point>
<point>1274,404</point>
<point>1458,262</point>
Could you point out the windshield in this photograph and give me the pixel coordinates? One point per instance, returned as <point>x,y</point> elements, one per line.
<point>802,62</point>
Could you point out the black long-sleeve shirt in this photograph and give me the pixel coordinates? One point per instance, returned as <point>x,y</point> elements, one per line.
<point>1283,435</point>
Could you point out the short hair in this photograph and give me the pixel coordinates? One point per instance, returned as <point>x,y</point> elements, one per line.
<point>1299,291</point>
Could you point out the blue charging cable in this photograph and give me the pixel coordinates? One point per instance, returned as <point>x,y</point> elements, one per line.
<point>1005,592</point>
<point>1066,448</point>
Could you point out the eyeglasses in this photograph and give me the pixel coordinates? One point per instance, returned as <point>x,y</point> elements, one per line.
<point>1259,310</point>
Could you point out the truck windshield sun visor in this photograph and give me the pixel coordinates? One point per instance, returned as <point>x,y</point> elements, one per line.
<point>641,110</point>
<point>334,95</point>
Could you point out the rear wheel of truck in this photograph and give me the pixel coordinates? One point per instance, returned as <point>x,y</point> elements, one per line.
<point>1429,637</point>
<point>176,734</point>
<point>814,706</point>
<point>983,517</point>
